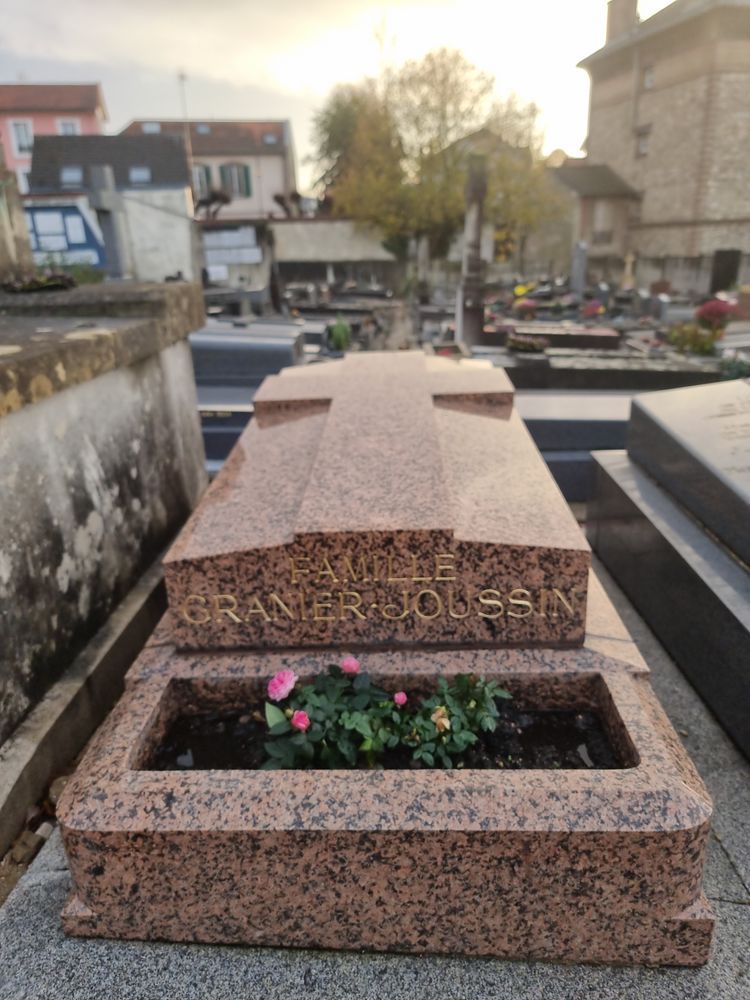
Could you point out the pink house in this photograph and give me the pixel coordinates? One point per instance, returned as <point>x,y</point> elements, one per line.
<point>29,109</point>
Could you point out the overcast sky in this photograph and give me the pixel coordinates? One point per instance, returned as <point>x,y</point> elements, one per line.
<point>279,58</point>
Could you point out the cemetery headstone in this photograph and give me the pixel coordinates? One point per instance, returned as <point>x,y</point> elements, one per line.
<point>395,507</point>
<point>671,521</point>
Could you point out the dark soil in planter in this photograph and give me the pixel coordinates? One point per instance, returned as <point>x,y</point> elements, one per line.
<point>524,738</point>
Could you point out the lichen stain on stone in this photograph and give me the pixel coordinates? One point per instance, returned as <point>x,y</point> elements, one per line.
<point>6,572</point>
<point>84,600</point>
<point>6,349</point>
<point>64,573</point>
<point>10,401</point>
<point>93,333</point>
<point>60,371</point>
<point>40,387</point>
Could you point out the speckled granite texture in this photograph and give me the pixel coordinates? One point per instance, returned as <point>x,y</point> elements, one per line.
<point>384,499</point>
<point>601,866</point>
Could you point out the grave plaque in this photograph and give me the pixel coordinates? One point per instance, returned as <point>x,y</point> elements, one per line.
<point>384,499</point>
<point>695,442</point>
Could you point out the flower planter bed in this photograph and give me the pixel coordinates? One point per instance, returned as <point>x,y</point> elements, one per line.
<point>525,738</point>
<point>579,865</point>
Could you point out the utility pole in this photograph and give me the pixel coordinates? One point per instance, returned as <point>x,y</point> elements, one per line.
<point>182,78</point>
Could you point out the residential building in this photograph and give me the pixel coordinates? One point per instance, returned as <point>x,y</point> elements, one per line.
<point>670,116</point>
<point>251,161</point>
<point>120,203</point>
<point>608,208</point>
<point>31,109</point>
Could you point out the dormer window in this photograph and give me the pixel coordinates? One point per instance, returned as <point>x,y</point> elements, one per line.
<point>140,175</point>
<point>71,177</point>
<point>648,78</point>
<point>203,129</point>
<point>270,139</point>
<point>151,128</point>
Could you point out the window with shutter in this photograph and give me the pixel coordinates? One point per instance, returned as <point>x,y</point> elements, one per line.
<point>236,179</point>
<point>202,179</point>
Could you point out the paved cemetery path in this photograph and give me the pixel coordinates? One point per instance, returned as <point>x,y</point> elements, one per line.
<point>38,963</point>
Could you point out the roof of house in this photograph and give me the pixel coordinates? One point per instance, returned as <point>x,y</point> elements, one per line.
<point>222,138</point>
<point>329,241</point>
<point>669,17</point>
<point>65,98</point>
<point>163,154</point>
<point>594,180</point>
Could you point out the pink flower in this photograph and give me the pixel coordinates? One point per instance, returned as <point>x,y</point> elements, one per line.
<point>281,685</point>
<point>301,721</point>
<point>350,665</point>
<point>400,698</point>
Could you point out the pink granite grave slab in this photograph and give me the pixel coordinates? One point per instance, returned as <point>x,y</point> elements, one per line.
<point>383,499</point>
<point>595,865</point>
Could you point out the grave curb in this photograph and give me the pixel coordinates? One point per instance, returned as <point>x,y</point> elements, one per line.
<point>56,730</point>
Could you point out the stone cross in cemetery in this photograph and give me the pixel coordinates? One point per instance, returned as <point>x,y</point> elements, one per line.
<point>394,506</point>
<point>579,270</point>
<point>470,297</point>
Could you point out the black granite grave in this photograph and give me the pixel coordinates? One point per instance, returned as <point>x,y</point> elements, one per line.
<point>696,444</point>
<point>671,522</point>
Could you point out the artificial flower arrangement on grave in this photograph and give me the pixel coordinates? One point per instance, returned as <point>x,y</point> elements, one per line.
<point>714,315</point>
<point>700,337</point>
<point>527,343</point>
<point>340,719</point>
<point>592,309</point>
<point>525,308</point>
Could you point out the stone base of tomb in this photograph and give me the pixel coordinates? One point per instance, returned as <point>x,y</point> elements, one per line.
<point>449,929</point>
<point>567,865</point>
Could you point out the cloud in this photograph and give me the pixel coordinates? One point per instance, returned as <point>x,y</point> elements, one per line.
<point>247,58</point>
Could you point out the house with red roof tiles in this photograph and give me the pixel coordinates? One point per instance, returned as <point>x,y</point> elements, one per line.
<point>31,109</point>
<point>251,162</point>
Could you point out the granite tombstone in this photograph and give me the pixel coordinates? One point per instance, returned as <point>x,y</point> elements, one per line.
<point>696,444</point>
<point>671,521</point>
<point>423,461</point>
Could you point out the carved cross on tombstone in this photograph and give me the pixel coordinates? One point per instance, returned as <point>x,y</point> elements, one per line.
<point>389,498</point>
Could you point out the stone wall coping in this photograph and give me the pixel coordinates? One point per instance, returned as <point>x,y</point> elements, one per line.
<point>52,341</point>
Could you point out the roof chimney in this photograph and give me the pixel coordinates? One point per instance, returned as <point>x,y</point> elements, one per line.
<point>622,17</point>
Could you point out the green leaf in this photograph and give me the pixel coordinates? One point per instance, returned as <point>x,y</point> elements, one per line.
<point>363,727</point>
<point>280,728</point>
<point>274,715</point>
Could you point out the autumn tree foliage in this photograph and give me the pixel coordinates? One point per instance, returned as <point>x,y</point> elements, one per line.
<point>393,152</point>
